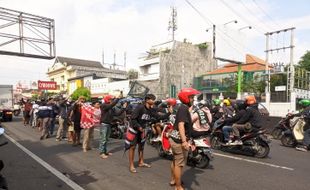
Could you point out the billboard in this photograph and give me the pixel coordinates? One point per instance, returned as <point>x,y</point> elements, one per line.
<point>47,85</point>
<point>230,43</point>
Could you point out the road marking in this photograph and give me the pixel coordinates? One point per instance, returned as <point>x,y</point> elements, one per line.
<point>253,161</point>
<point>53,170</point>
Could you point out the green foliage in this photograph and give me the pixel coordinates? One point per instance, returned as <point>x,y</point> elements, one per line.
<point>82,91</point>
<point>203,45</point>
<point>132,74</point>
<point>305,61</point>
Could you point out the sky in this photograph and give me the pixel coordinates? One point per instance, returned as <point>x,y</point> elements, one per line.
<point>86,28</point>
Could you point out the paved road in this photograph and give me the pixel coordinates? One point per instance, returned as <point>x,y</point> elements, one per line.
<point>284,169</point>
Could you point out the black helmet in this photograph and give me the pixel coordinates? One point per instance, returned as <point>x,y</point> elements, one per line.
<point>240,104</point>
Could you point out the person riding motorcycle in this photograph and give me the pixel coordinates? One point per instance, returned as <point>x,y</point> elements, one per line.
<point>202,119</point>
<point>228,110</point>
<point>306,113</point>
<point>162,109</point>
<point>251,119</point>
<point>240,110</point>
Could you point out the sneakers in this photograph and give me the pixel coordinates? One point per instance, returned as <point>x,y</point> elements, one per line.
<point>302,148</point>
<point>156,139</point>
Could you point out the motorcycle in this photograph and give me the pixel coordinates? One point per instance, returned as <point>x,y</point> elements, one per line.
<point>118,129</point>
<point>284,124</point>
<point>255,143</point>
<point>16,110</point>
<point>292,136</point>
<point>199,155</point>
<point>3,183</point>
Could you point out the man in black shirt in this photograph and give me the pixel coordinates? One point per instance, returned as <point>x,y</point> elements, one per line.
<point>141,116</point>
<point>179,144</point>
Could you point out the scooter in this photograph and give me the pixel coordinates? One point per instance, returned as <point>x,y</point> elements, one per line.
<point>284,124</point>
<point>255,143</point>
<point>3,183</point>
<point>291,137</point>
<point>199,155</point>
<point>118,129</point>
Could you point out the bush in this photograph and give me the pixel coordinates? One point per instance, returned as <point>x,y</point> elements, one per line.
<point>82,91</point>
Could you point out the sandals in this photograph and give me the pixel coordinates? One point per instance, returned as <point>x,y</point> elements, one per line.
<point>103,156</point>
<point>144,165</point>
<point>173,183</point>
<point>133,170</point>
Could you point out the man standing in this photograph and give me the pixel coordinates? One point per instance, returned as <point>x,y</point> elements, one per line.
<point>63,120</point>
<point>141,116</point>
<point>179,136</point>
<point>107,114</point>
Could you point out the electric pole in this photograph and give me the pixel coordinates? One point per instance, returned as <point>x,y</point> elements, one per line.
<point>173,22</point>
<point>290,71</point>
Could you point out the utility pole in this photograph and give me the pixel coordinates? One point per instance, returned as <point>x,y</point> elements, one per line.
<point>290,71</point>
<point>173,22</point>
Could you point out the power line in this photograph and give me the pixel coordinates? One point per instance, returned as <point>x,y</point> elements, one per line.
<point>264,12</point>
<point>254,15</point>
<point>242,17</point>
<point>207,20</point>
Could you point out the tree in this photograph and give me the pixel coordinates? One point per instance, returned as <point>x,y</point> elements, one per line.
<point>305,61</point>
<point>132,74</point>
<point>82,91</point>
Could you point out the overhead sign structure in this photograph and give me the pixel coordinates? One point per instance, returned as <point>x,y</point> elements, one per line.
<point>47,85</point>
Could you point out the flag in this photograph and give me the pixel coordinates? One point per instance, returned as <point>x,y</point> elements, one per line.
<point>87,113</point>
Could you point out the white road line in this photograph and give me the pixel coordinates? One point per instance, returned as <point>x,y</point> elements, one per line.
<point>253,161</point>
<point>62,177</point>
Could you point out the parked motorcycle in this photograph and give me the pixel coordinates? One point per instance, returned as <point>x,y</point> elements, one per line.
<point>200,153</point>
<point>3,183</point>
<point>16,110</point>
<point>292,136</point>
<point>284,124</point>
<point>118,129</point>
<point>255,143</point>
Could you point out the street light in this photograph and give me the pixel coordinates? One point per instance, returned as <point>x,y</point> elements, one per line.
<point>246,27</point>
<point>233,21</point>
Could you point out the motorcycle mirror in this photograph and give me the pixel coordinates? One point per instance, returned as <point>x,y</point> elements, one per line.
<point>1,131</point>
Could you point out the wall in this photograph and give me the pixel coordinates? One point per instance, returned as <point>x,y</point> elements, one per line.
<point>278,109</point>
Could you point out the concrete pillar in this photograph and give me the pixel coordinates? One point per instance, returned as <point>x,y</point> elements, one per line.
<point>293,101</point>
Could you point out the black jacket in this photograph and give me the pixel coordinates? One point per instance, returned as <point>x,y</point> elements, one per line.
<point>107,112</point>
<point>252,116</point>
<point>235,118</point>
<point>141,116</point>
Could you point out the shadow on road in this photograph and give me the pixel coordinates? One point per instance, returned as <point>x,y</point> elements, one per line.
<point>190,177</point>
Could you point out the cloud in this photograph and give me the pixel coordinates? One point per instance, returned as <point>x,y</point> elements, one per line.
<point>85,28</point>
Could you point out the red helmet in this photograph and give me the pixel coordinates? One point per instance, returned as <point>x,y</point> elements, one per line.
<point>171,101</point>
<point>107,99</point>
<point>185,93</point>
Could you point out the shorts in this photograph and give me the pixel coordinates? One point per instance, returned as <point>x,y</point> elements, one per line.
<point>179,154</point>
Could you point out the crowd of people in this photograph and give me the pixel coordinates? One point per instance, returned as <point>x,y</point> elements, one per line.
<point>192,119</point>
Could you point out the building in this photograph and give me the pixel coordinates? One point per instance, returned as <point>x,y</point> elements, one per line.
<point>217,82</point>
<point>77,71</point>
<point>170,66</point>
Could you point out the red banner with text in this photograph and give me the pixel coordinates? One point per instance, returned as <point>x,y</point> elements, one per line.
<point>47,85</point>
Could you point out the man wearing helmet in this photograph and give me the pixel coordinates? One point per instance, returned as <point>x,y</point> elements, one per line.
<point>240,107</point>
<point>251,119</point>
<point>182,129</point>
<point>306,112</point>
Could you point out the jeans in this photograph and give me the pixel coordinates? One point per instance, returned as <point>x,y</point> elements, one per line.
<point>306,140</point>
<point>52,125</point>
<point>226,131</point>
<point>105,132</point>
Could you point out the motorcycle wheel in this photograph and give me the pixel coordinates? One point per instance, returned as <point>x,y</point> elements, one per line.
<point>216,142</point>
<point>161,152</point>
<point>288,141</point>
<point>203,163</point>
<point>16,113</point>
<point>276,133</point>
<point>263,151</point>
